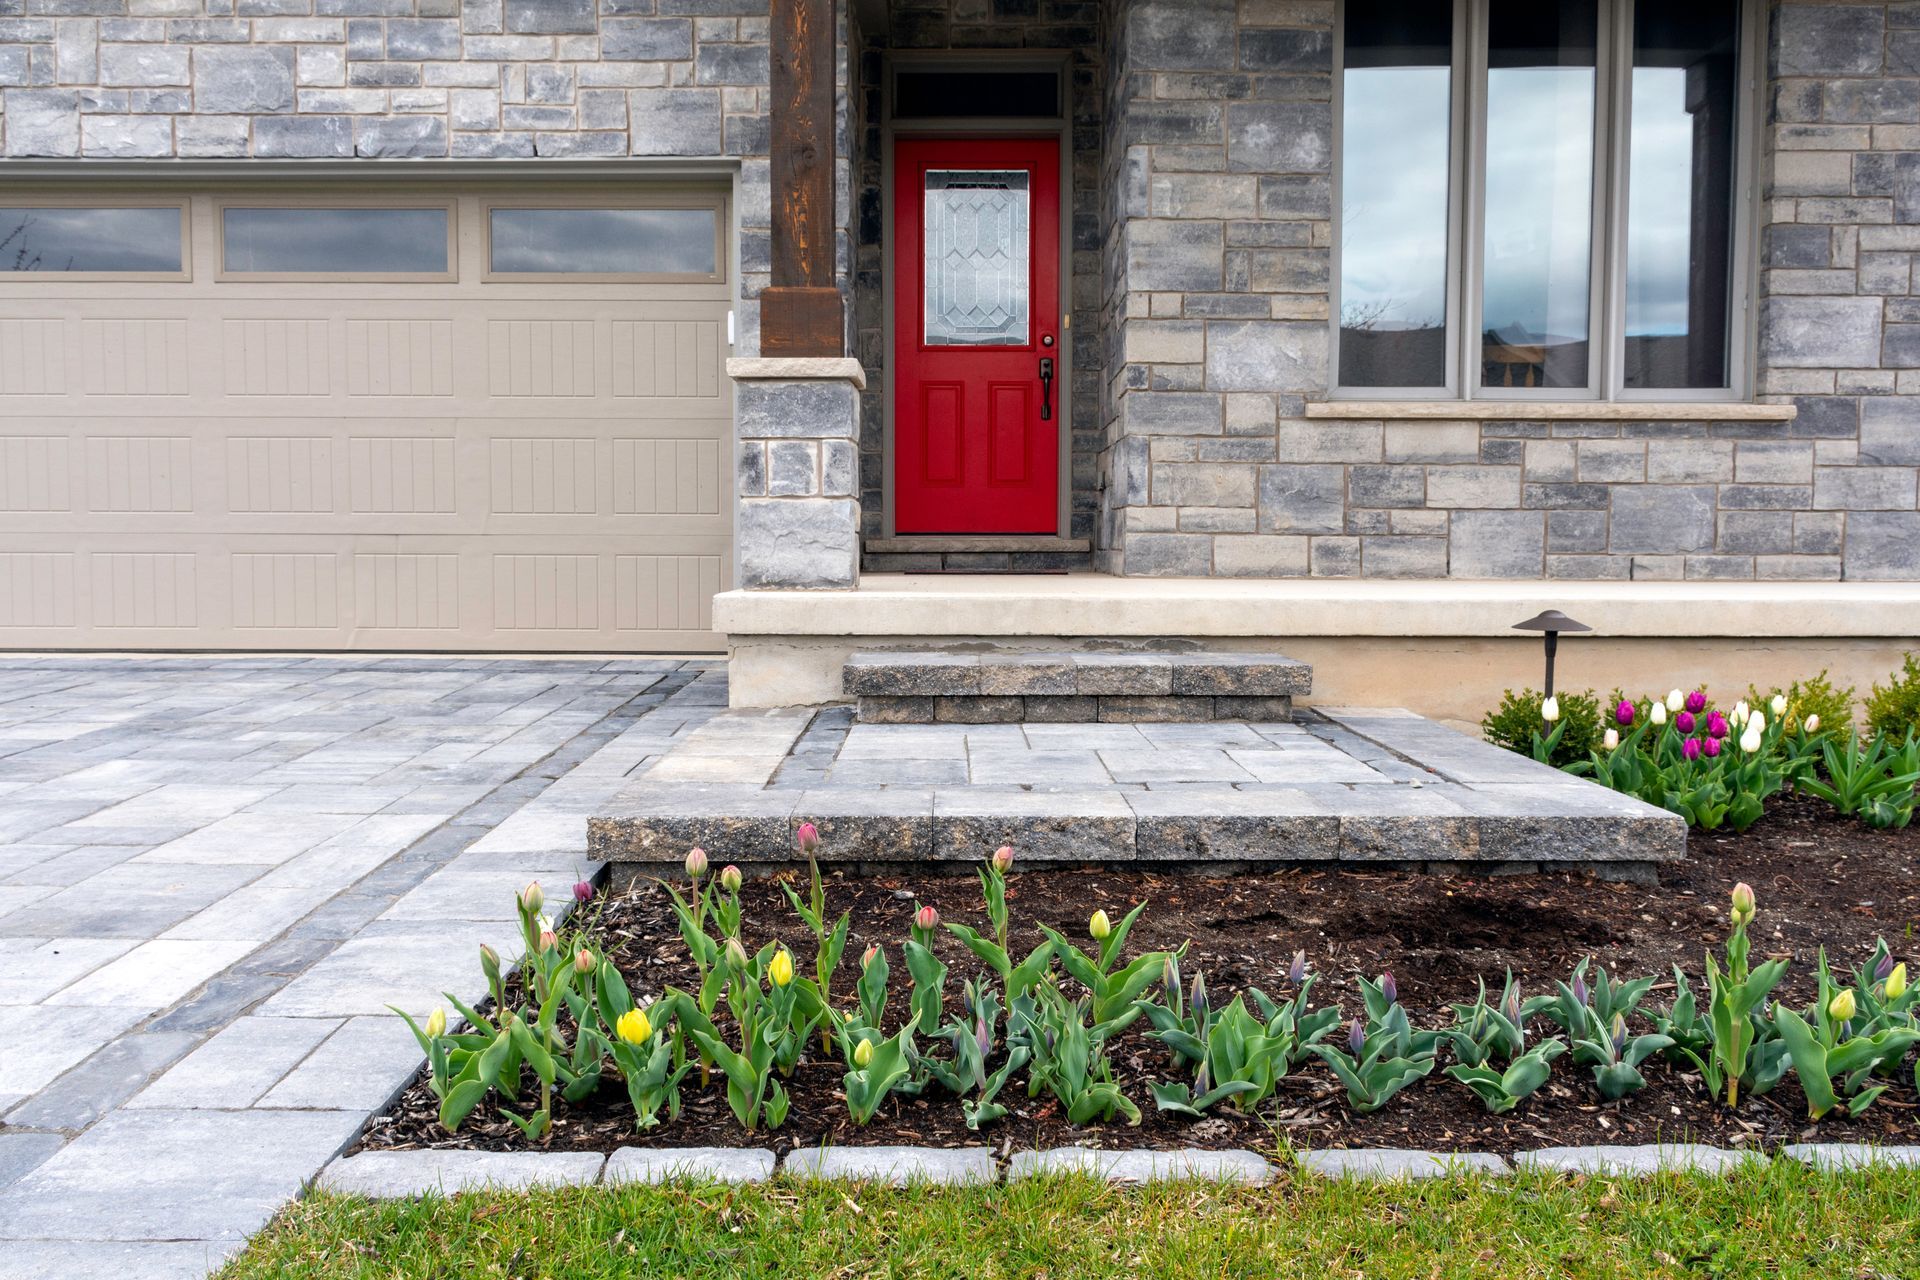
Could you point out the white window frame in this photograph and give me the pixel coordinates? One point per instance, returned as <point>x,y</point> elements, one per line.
<point>1466,219</point>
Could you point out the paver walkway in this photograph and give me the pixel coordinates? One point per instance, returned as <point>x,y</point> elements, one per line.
<point>215,876</point>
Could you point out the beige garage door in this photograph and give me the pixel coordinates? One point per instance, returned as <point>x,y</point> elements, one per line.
<point>363,419</point>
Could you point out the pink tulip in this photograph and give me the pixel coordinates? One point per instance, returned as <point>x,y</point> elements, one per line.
<point>1691,748</point>
<point>583,891</point>
<point>1697,701</point>
<point>1003,858</point>
<point>1623,714</point>
<point>1712,747</point>
<point>808,837</point>
<point>696,863</point>
<point>1684,722</point>
<point>926,919</point>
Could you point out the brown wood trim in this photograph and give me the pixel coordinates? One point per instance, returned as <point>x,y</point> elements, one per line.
<point>801,312</point>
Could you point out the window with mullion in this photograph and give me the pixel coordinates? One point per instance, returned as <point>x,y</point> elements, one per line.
<point>1536,198</point>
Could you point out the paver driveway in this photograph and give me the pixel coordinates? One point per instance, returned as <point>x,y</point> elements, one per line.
<point>215,876</point>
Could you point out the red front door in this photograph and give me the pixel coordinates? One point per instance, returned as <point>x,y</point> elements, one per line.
<point>977,369</point>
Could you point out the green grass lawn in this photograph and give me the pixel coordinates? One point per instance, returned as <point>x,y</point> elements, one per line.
<point>1771,1220</point>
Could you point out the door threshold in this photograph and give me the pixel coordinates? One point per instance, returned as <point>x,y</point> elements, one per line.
<point>929,543</point>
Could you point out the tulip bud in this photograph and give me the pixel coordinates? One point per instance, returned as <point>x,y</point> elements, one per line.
<point>548,940</point>
<point>926,919</point>
<point>1619,1030</point>
<point>1658,714</point>
<point>1389,988</point>
<point>1717,726</point>
<point>489,961</point>
<point>1691,748</point>
<point>1170,975</point>
<point>583,961</point>
<point>1757,722</point>
<point>736,955</point>
<point>1750,740</point>
<point>780,968</point>
<point>1683,721</point>
<point>437,1024</point>
<point>1580,992</point>
<point>696,863</point>
<point>869,956</point>
<point>1297,971</point>
<point>1623,714</point>
<point>1697,701</point>
<point>1813,724</point>
<point>1883,967</point>
<point>1843,1006</point>
<point>1743,902</point>
<point>1897,982</point>
<point>1098,927</point>
<point>1741,711</point>
<point>531,899</point>
<point>1713,747</point>
<point>634,1027</point>
<point>583,891</point>
<point>1550,709</point>
<point>1610,739</point>
<point>730,878</point>
<point>1356,1038</point>
<point>863,1054</point>
<point>1675,699</point>
<point>1778,705</point>
<point>1199,1003</point>
<point>1510,1008</point>
<point>1003,859</point>
<point>808,838</point>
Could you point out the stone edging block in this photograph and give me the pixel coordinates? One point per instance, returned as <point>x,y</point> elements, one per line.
<point>1137,1167</point>
<point>394,1175</point>
<point>1850,1155</point>
<point>1678,1157</point>
<point>688,1164</point>
<point>1391,1164</point>
<point>898,1166</point>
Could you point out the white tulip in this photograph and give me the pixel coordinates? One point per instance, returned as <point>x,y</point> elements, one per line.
<point>1610,739</point>
<point>1658,714</point>
<point>1813,724</point>
<point>1550,709</point>
<point>1750,740</point>
<point>1676,700</point>
<point>1740,712</point>
<point>1779,705</point>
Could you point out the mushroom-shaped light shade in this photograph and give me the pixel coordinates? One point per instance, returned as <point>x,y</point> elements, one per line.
<point>1551,620</point>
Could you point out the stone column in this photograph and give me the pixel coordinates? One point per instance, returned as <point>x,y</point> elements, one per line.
<point>797,424</point>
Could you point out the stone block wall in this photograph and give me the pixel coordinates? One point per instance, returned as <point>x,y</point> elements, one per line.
<point>797,517</point>
<point>1220,150</point>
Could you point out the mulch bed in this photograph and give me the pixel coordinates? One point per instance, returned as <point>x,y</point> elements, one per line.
<point>1820,879</point>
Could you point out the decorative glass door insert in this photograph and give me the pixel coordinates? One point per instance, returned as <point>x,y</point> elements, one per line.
<point>978,277</point>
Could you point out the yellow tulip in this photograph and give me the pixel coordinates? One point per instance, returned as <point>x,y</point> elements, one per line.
<point>1099,927</point>
<point>1897,982</point>
<point>633,1027</point>
<point>1843,1007</point>
<point>437,1024</point>
<point>863,1054</point>
<point>780,968</point>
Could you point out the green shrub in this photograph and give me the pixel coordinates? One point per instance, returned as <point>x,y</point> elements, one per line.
<point>1895,710</point>
<point>1814,696</point>
<point>1513,723</point>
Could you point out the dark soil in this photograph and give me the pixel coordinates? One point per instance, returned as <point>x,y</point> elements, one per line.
<point>1820,879</point>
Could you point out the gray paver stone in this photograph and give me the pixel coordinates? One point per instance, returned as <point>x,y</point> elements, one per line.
<point>689,1164</point>
<point>1680,1157</point>
<point>21,1152</point>
<point>899,1166</point>
<point>1134,1167</point>
<point>1851,1155</point>
<point>1385,1164</point>
<point>395,1175</point>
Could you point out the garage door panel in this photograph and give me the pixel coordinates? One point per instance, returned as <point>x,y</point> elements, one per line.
<point>469,465</point>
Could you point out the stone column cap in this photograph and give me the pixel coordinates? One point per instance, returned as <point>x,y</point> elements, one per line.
<point>797,369</point>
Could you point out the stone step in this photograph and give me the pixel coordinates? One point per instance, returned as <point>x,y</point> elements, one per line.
<point>1008,687</point>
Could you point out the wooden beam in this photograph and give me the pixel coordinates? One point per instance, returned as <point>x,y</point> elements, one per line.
<point>801,312</point>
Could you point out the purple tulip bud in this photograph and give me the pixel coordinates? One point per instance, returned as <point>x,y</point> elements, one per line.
<point>1692,747</point>
<point>1297,971</point>
<point>583,891</point>
<point>1716,727</point>
<point>1697,701</point>
<point>1883,967</point>
<point>1619,1034</point>
<point>1712,747</point>
<point>1199,999</point>
<point>1579,988</point>
<point>1684,721</point>
<point>1511,1008</point>
<point>1389,988</point>
<point>982,1035</point>
<point>1356,1038</point>
<point>1623,714</point>
<point>1202,1079</point>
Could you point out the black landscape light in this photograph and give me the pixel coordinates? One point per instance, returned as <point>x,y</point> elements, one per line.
<point>1553,622</point>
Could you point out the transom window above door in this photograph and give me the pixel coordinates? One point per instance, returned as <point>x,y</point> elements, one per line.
<point>1540,199</point>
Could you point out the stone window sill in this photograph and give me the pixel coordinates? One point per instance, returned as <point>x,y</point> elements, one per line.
<point>1554,410</point>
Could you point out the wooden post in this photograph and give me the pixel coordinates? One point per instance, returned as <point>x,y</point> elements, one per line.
<point>801,313</point>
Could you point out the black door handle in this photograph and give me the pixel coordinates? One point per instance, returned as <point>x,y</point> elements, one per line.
<point>1046,388</point>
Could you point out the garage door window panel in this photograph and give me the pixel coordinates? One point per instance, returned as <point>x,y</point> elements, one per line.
<point>93,242</point>
<point>584,242</point>
<point>341,242</point>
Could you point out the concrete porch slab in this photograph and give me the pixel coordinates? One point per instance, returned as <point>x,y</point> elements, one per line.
<point>1379,786</point>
